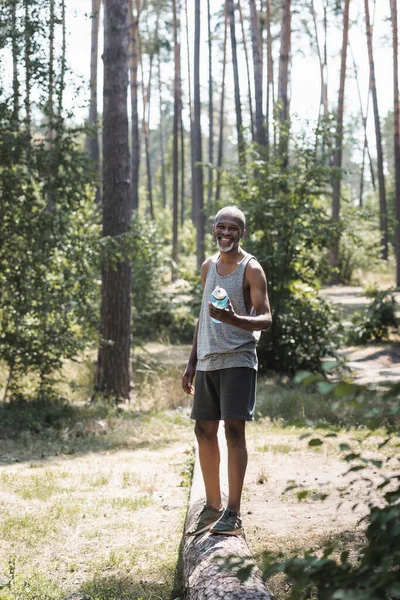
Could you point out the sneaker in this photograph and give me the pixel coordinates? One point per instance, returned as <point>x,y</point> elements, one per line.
<point>206,517</point>
<point>229,524</point>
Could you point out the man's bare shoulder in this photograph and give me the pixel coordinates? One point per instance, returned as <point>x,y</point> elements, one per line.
<point>254,269</point>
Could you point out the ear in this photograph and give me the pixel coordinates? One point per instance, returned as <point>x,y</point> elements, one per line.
<point>243,233</point>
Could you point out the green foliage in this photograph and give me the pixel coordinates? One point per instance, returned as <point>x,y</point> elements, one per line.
<point>359,244</point>
<point>48,254</point>
<point>157,314</point>
<point>289,231</point>
<point>363,571</point>
<point>376,322</point>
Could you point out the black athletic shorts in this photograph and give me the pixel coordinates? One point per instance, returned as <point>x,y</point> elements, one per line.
<point>225,394</point>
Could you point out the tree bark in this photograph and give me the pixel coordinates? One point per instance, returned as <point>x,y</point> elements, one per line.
<point>323,101</point>
<point>27,65</point>
<point>246,57</point>
<point>203,578</point>
<point>175,152</point>
<point>146,116</point>
<point>270,71</point>
<point>50,102</point>
<point>61,86</point>
<point>364,122</point>
<point>92,141</point>
<point>339,142</point>
<point>196,140</point>
<point>221,114</point>
<point>257,69</point>
<point>113,368</point>
<point>283,88</point>
<point>396,110</point>
<point>379,150</point>
<point>190,107</point>
<point>15,59</point>
<point>210,109</point>
<point>162,133</point>
<point>238,106</point>
<point>133,73</point>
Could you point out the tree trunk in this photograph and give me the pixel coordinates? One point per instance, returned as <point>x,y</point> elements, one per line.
<point>379,151</point>
<point>61,86</point>
<point>183,169</point>
<point>257,69</point>
<point>133,72</point>
<point>196,140</point>
<point>210,109</point>
<point>221,114</point>
<point>27,65</point>
<point>364,122</point>
<point>113,368</point>
<point>270,70</point>
<point>203,578</point>
<point>238,107</point>
<point>92,141</point>
<point>50,102</point>
<point>396,110</point>
<point>175,152</point>
<point>190,108</point>
<point>162,133</point>
<point>15,59</point>
<point>246,56</point>
<point>146,124</point>
<point>339,142</point>
<point>283,88</point>
<point>322,104</point>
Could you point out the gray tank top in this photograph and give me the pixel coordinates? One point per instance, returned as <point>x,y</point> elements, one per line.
<point>221,346</point>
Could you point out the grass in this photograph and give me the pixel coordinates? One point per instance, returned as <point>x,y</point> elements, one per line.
<point>93,496</point>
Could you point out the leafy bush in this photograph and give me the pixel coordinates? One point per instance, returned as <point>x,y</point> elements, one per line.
<point>289,232</point>
<point>48,251</point>
<point>377,320</point>
<point>371,570</point>
<point>305,330</point>
<point>157,314</point>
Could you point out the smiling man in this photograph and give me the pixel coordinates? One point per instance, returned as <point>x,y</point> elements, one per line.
<point>224,360</point>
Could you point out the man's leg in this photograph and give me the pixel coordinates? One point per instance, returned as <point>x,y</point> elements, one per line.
<point>206,434</point>
<point>237,460</point>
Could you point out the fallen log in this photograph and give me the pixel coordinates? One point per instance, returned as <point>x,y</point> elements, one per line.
<point>203,577</point>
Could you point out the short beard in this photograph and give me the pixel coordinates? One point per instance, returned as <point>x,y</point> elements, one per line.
<point>225,248</point>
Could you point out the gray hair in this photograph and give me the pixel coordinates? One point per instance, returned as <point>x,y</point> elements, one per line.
<point>234,211</point>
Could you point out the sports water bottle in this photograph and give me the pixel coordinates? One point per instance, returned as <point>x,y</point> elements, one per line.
<point>219,299</point>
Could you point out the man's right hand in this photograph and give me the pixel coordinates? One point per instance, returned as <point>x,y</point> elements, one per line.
<point>187,379</point>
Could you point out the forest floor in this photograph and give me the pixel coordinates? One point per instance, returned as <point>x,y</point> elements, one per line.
<point>93,504</point>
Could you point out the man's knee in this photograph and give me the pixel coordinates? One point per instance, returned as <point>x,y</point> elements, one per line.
<point>206,431</point>
<point>235,432</point>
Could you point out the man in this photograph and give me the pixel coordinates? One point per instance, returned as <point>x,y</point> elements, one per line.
<point>224,359</point>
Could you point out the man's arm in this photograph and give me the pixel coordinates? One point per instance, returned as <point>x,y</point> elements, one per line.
<point>259,299</point>
<point>190,371</point>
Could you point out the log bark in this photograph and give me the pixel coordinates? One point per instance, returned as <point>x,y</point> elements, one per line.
<point>204,580</point>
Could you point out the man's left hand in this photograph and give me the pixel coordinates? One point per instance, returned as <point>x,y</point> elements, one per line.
<point>225,315</point>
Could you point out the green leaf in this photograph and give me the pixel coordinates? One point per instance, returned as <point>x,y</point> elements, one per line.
<point>319,496</point>
<point>315,442</point>
<point>351,457</point>
<point>330,365</point>
<point>344,447</point>
<point>325,387</point>
<point>345,389</point>
<point>355,469</point>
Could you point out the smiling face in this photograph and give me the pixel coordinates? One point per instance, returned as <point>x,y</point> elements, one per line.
<point>228,229</point>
